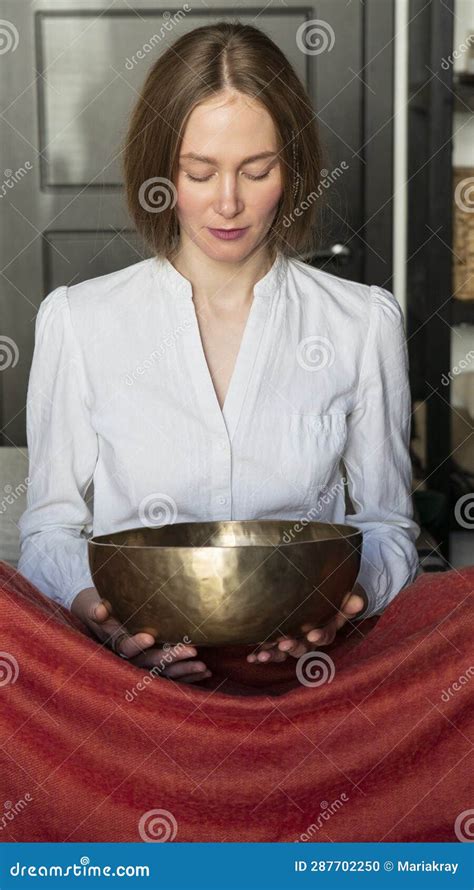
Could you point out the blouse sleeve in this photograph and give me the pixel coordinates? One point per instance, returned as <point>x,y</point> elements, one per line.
<point>377,459</point>
<point>62,452</point>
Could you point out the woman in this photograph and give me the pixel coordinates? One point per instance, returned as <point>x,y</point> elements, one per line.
<point>310,370</point>
<point>224,377</point>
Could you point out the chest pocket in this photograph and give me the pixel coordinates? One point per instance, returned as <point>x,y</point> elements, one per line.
<point>304,456</point>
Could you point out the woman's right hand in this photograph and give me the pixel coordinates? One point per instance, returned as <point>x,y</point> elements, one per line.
<point>139,648</point>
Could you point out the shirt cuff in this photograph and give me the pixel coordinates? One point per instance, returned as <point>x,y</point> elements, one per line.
<point>380,587</point>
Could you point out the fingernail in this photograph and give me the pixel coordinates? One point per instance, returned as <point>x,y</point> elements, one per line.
<point>314,636</point>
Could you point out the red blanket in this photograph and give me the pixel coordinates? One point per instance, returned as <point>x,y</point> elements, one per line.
<point>376,747</point>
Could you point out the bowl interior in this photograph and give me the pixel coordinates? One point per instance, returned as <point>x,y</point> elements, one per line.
<point>230,533</point>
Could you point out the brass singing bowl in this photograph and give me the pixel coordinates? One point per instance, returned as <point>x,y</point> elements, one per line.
<point>226,582</point>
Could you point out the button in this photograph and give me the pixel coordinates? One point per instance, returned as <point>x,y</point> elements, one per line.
<point>221,500</point>
<point>222,444</point>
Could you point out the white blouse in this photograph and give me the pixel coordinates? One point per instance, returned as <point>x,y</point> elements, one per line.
<point>120,394</point>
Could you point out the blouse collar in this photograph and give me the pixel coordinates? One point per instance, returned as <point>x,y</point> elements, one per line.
<point>181,286</point>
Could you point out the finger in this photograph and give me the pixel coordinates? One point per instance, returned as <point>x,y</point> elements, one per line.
<point>354,604</point>
<point>117,638</point>
<point>316,634</point>
<point>298,648</point>
<point>263,647</point>
<point>100,611</point>
<point>327,637</point>
<point>260,655</point>
<point>287,644</point>
<point>101,614</point>
<point>185,669</point>
<point>306,627</point>
<point>270,644</point>
<point>340,620</point>
<point>275,646</point>
<point>130,645</point>
<point>163,657</point>
<point>345,600</point>
<point>194,678</point>
<point>323,635</point>
<point>275,655</point>
<point>108,631</point>
<point>189,672</point>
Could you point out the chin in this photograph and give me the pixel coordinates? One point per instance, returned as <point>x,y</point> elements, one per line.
<point>226,250</point>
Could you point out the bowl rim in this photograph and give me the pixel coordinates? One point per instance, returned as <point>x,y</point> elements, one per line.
<point>106,540</point>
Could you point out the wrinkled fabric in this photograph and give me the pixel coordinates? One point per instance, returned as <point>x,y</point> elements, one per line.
<point>379,748</point>
<point>120,395</point>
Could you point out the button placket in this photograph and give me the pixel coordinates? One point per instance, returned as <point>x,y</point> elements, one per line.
<point>221,477</point>
<point>222,423</point>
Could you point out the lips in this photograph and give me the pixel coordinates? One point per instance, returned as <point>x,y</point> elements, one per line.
<point>228,234</point>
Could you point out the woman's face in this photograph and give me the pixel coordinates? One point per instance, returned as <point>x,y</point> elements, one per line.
<point>227,187</point>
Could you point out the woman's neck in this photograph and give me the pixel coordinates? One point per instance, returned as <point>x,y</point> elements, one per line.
<point>229,285</point>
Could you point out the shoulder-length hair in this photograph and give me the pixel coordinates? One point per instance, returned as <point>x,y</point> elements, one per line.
<point>195,68</point>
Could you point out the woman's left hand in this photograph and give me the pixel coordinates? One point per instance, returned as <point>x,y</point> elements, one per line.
<point>353,603</point>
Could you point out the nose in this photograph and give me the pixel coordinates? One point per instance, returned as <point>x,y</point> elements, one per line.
<point>228,201</point>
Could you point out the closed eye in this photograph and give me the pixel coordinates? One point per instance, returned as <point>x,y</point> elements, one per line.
<point>206,178</point>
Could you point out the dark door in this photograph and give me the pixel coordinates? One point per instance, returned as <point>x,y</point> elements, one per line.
<point>429,240</point>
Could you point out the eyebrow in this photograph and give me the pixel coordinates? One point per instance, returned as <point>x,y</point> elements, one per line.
<point>263,154</point>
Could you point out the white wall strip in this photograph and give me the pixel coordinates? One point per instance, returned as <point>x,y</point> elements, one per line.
<point>400,154</point>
